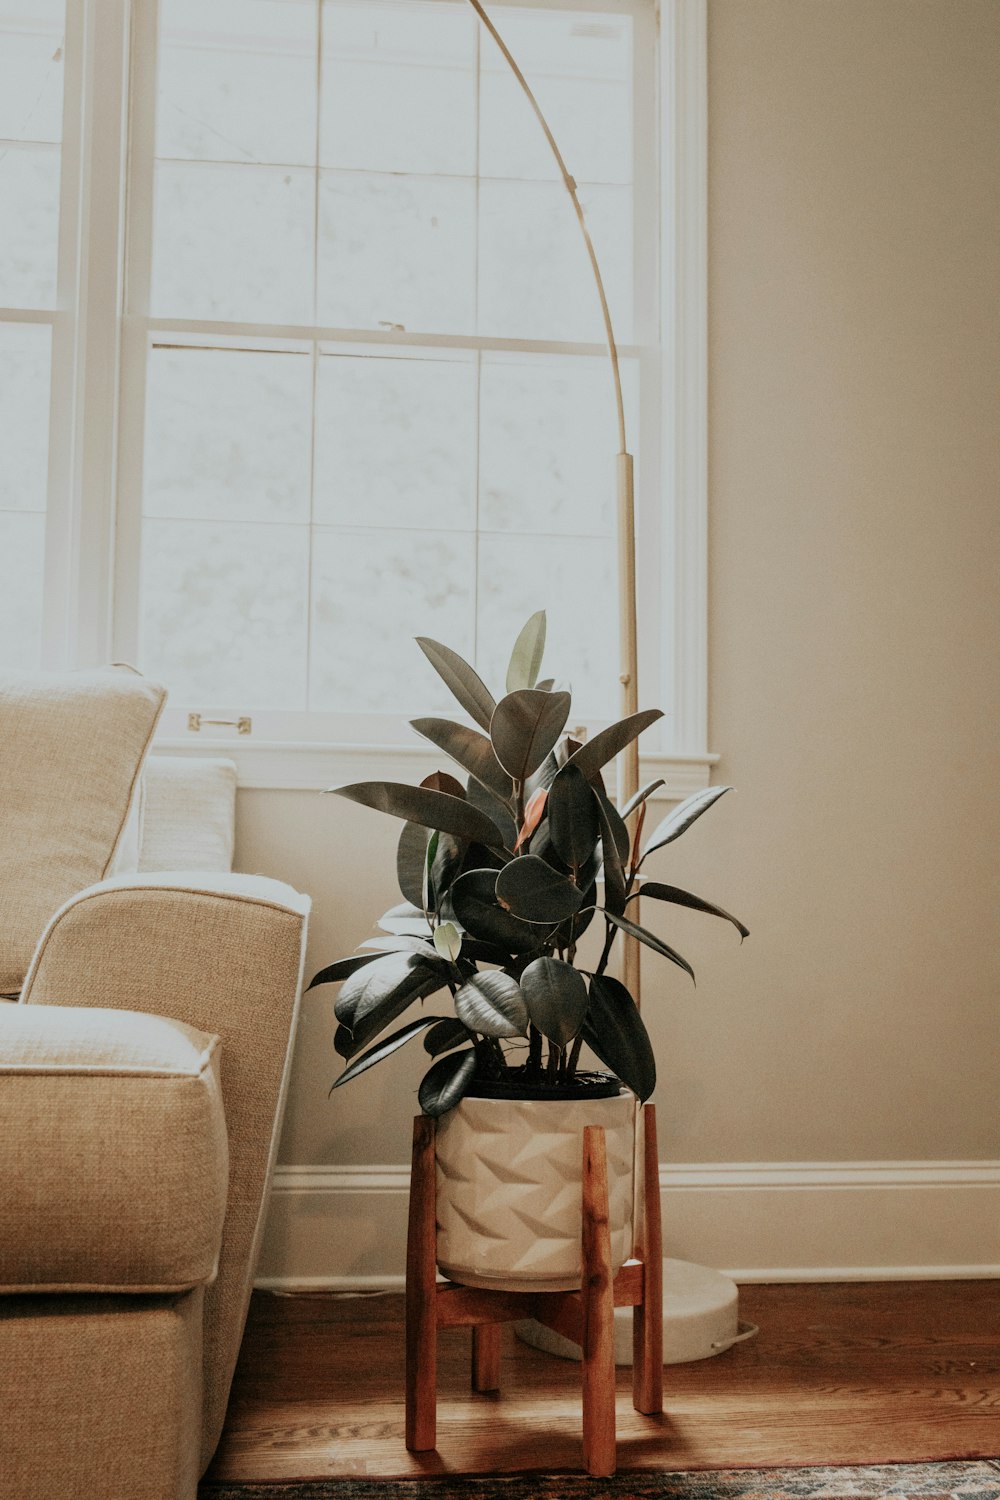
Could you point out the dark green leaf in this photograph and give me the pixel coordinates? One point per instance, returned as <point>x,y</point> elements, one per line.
<point>615,1031</point>
<point>446,1034</point>
<point>533,891</point>
<point>526,657</point>
<point>419,805</point>
<point>464,682</point>
<point>475,904</point>
<point>678,821</point>
<point>343,1041</point>
<point>556,996</point>
<point>641,795</point>
<point>484,953</point>
<point>651,941</point>
<point>443,781</point>
<point>609,742</point>
<point>385,1047</point>
<point>525,726</point>
<point>614,874</point>
<point>573,816</point>
<point>472,750</point>
<point>492,1005</point>
<point>546,685</point>
<point>342,969</point>
<point>497,811</point>
<point>377,994</point>
<point>411,858</point>
<point>445,1082</point>
<point>659,892</point>
<point>572,930</point>
<point>542,779</point>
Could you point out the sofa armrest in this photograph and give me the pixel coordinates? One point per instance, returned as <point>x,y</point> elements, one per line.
<point>223,953</point>
<point>114,1165</point>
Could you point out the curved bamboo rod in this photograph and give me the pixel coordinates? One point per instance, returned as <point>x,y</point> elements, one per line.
<point>628,761</point>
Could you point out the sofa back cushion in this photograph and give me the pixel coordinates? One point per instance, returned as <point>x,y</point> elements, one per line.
<point>71,752</point>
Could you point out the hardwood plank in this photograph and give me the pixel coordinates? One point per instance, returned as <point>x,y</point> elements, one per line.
<point>843,1373</point>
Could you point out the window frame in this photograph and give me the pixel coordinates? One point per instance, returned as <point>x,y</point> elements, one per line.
<point>92,554</point>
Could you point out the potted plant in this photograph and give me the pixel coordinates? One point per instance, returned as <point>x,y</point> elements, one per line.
<point>502,875</point>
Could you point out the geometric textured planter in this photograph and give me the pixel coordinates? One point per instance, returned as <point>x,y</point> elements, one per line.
<point>509,1197</point>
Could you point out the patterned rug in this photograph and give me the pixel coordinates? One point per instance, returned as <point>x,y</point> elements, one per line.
<point>942,1481</point>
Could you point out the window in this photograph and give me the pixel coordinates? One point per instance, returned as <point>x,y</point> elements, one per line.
<point>360,388</point>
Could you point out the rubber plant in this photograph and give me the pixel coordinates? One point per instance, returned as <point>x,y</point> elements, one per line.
<point>502,873</point>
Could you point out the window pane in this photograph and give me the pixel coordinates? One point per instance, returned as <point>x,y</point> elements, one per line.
<point>224,612</point>
<point>396,442</point>
<point>372,593</point>
<point>396,250</point>
<point>25,353</point>
<point>574,580</point>
<point>31,70</point>
<point>580,69</point>
<point>554,420</point>
<point>228,435</point>
<point>535,279</point>
<point>399,88</point>
<point>233,243</point>
<point>29,225</point>
<point>237,80</point>
<point>22,559</point>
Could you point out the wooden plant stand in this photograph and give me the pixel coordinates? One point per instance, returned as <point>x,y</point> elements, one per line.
<point>585,1316</point>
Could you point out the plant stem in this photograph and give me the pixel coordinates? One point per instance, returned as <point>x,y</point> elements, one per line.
<point>574,1056</point>
<point>534,1066</point>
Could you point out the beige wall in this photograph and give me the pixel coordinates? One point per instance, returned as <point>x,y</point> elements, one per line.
<point>853,236</point>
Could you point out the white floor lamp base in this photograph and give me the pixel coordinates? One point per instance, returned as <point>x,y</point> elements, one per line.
<point>700,1318</point>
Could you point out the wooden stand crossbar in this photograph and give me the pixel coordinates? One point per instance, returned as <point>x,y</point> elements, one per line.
<point>585,1316</point>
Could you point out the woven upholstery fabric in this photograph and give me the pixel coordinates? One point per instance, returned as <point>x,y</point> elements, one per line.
<point>71,750</point>
<point>113,1172</point>
<point>223,953</point>
<point>100,1396</point>
<point>189,813</point>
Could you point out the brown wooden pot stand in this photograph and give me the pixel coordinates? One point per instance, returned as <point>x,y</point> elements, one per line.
<point>585,1316</point>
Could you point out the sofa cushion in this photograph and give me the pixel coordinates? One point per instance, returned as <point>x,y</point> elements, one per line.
<point>71,750</point>
<point>189,814</point>
<point>114,1168</point>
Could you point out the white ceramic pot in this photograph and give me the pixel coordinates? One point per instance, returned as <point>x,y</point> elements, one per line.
<point>509,1189</point>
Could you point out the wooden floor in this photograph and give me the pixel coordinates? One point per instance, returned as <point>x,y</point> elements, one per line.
<point>901,1371</point>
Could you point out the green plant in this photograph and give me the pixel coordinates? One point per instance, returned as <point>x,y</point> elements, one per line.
<point>501,879</point>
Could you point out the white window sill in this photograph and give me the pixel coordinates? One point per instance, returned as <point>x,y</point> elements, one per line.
<point>275,765</point>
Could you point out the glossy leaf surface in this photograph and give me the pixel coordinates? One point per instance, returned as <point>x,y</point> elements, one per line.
<point>383,991</point>
<point>532,816</point>
<point>614,873</point>
<point>475,903</point>
<point>526,657</point>
<point>534,891</point>
<point>678,821</point>
<point>342,969</point>
<point>524,728</point>
<point>448,941</point>
<point>556,996</point>
<point>419,805</point>
<point>659,892</point>
<point>464,681</point>
<point>616,1033</point>
<point>492,1005</point>
<point>472,750</point>
<point>444,1035</point>
<point>445,1082</point>
<point>574,823</point>
<point>499,813</point>
<point>411,859</point>
<point>443,781</point>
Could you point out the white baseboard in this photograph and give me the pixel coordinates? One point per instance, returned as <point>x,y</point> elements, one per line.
<point>344,1228</point>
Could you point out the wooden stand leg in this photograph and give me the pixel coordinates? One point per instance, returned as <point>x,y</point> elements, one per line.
<point>486,1357</point>
<point>647,1317</point>
<point>421,1294</point>
<point>597,1297</point>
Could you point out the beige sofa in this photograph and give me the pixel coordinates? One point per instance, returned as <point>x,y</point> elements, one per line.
<point>142,1082</point>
